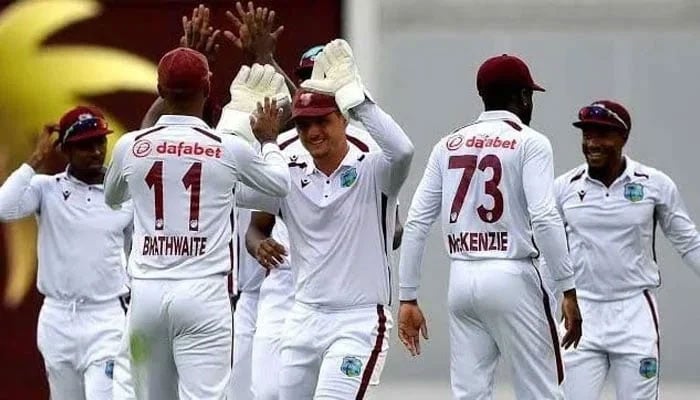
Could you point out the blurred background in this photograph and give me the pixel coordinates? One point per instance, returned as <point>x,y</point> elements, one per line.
<point>419,59</point>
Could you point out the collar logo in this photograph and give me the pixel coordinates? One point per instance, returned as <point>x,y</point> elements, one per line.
<point>66,194</point>
<point>581,194</point>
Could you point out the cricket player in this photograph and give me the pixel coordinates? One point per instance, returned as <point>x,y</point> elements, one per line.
<point>277,290</point>
<point>491,182</point>
<point>339,223</point>
<point>81,254</point>
<point>611,206</point>
<point>181,176</point>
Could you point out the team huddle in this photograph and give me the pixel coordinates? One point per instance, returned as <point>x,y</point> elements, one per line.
<point>253,260</point>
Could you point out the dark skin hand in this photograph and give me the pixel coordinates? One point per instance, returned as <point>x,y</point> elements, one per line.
<point>265,121</point>
<point>256,35</point>
<point>412,325</point>
<point>268,252</point>
<point>45,148</point>
<point>572,320</point>
<point>197,34</point>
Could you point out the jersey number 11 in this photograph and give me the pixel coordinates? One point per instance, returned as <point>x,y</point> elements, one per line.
<point>191,181</point>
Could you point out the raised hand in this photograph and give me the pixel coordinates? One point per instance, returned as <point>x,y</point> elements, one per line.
<point>45,149</point>
<point>255,32</point>
<point>335,73</point>
<point>265,122</point>
<point>199,35</point>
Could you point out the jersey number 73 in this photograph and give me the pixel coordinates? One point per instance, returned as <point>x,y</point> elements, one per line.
<point>468,163</point>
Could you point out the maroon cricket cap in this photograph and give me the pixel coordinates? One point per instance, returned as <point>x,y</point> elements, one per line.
<point>505,71</point>
<point>183,70</point>
<point>605,113</point>
<point>80,123</point>
<point>312,104</point>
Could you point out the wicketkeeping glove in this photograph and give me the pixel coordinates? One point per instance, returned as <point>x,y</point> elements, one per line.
<point>335,73</point>
<point>250,86</point>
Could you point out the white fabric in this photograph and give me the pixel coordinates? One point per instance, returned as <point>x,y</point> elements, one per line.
<point>79,342</point>
<point>499,308</point>
<point>244,318</point>
<point>123,385</point>
<point>491,183</point>
<point>250,273</point>
<point>332,354</point>
<point>81,241</point>
<point>180,332</point>
<point>620,341</point>
<point>346,263</point>
<point>193,236</point>
<point>612,235</point>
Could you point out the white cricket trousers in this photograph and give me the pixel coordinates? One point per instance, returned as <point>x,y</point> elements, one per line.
<point>180,338</point>
<point>620,339</point>
<point>123,385</point>
<point>276,301</point>
<point>332,354</point>
<point>79,341</point>
<point>501,308</point>
<point>244,318</point>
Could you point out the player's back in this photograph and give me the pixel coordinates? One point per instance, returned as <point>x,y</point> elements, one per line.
<point>484,208</point>
<point>181,178</point>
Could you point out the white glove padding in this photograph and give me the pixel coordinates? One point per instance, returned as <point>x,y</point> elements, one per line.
<point>250,86</point>
<point>335,72</point>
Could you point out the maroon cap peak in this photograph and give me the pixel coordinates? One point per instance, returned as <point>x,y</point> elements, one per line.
<point>505,71</point>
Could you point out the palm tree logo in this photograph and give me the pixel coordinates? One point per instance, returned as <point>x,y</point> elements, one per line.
<point>38,83</point>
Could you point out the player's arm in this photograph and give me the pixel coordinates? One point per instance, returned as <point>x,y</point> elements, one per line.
<point>20,194</point>
<point>115,184</point>
<point>425,208</point>
<point>676,224</point>
<point>259,241</point>
<point>548,229</point>
<point>397,148</point>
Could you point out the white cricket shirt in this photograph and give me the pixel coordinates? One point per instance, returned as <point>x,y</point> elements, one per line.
<point>493,182</point>
<point>250,273</point>
<point>341,226</point>
<point>81,241</point>
<point>181,176</point>
<point>611,230</point>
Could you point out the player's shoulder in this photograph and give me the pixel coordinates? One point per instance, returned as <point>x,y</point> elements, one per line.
<point>643,172</point>
<point>571,176</point>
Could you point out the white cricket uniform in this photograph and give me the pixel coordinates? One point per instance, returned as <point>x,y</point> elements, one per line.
<point>181,176</point>
<point>81,273</point>
<point>340,229</point>
<point>611,233</point>
<point>277,290</point>
<point>250,276</point>
<point>493,181</point>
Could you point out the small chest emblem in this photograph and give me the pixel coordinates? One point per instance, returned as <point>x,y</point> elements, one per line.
<point>348,177</point>
<point>66,194</point>
<point>634,192</point>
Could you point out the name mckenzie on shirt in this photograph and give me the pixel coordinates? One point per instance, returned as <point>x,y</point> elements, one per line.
<point>174,246</point>
<point>464,242</point>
